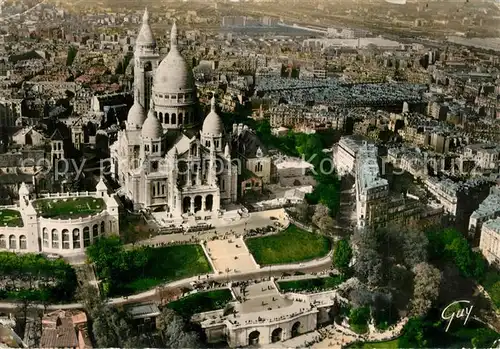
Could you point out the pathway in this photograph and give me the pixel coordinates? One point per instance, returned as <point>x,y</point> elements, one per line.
<point>311,267</point>
<point>253,221</point>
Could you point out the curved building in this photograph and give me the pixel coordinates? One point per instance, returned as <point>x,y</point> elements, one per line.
<point>63,224</point>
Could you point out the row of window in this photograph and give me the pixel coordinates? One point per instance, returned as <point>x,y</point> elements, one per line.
<point>175,97</point>
<point>66,241</point>
<point>13,242</point>
<point>174,119</point>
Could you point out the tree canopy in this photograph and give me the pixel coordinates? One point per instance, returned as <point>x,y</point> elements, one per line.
<point>34,277</point>
<point>342,255</point>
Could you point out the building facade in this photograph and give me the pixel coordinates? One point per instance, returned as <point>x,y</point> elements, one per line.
<point>490,241</point>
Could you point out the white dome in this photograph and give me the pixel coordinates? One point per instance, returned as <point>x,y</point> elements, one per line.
<point>136,115</point>
<point>213,124</point>
<point>145,37</point>
<point>173,74</point>
<point>152,129</point>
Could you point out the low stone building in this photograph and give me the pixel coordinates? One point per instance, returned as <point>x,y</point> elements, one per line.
<point>62,224</point>
<point>265,316</point>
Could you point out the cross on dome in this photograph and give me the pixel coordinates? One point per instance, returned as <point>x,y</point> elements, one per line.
<point>212,103</point>
<point>173,35</point>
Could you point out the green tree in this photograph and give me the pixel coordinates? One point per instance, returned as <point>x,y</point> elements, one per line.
<point>371,265</point>
<point>484,338</point>
<point>320,211</point>
<point>413,334</point>
<point>342,255</point>
<point>172,329</point>
<point>358,319</point>
<point>303,212</point>
<point>426,288</point>
<point>72,52</point>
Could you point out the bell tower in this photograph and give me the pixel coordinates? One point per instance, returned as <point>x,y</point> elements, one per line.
<point>146,60</point>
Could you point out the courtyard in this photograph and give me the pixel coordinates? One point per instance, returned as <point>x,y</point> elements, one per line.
<point>292,245</point>
<point>230,255</point>
<point>10,218</point>
<point>72,207</point>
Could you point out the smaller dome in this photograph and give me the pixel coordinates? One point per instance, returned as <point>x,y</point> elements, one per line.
<point>136,116</point>
<point>152,129</point>
<point>213,124</point>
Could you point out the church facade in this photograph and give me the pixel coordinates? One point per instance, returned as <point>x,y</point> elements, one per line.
<point>162,160</point>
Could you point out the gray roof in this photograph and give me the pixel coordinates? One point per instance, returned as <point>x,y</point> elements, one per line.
<point>142,310</point>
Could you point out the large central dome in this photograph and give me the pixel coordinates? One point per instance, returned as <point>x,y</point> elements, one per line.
<point>173,74</point>
<point>174,89</point>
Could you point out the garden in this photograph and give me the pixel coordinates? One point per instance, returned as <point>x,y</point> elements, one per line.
<point>71,207</point>
<point>201,302</point>
<point>32,277</point>
<point>10,218</point>
<point>292,245</point>
<point>311,285</point>
<point>125,272</point>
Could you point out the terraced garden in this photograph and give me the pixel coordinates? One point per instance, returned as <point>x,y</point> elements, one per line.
<point>10,218</point>
<point>65,208</point>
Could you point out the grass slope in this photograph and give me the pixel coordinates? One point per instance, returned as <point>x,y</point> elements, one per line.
<point>289,246</point>
<point>170,263</point>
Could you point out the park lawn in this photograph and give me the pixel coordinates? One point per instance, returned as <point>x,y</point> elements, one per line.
<point>10,218</point>
<point>317,284</point>
<point>376,345</point>
<point>170,263</point>
<point>289,246</point>
<point>72,207</point>
<point>201,302</point>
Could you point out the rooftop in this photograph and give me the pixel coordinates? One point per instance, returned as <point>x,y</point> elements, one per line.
<point>140,311</point>
<point>493,224</point>
<point>72,207</point>
<point>489,206</point>
<point>368,171</point>
<point>292,163</point>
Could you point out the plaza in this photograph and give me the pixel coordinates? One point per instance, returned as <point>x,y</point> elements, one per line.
<point>230,255</point>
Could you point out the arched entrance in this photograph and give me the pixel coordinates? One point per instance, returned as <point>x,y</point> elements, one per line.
<point>296,329</point>
<point>276,335</point>
<point>186,204</point>
<point>197,203</point>
<point>253,338</point>
<point>209,202</point>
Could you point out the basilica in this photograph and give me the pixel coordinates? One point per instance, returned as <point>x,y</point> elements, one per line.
<point>161,159</point>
